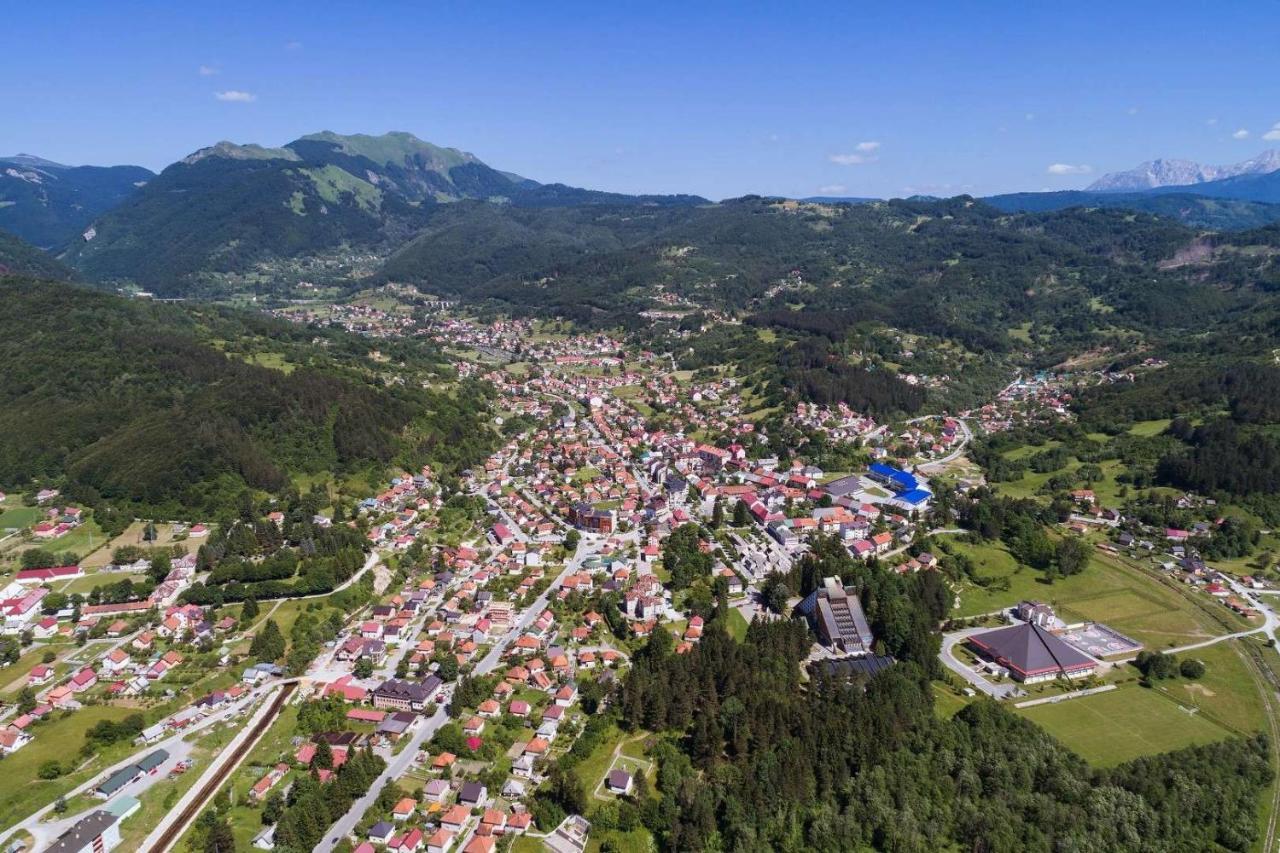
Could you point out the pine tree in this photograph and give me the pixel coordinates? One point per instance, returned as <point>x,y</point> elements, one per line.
<point>323,759</point>
<point>269,644</point>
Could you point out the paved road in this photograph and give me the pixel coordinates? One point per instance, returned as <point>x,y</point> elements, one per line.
<point>175,744</point>
<point>426,728</point>
<point>1271,622</point>
<point>222,765</point>
<point>966,437</point>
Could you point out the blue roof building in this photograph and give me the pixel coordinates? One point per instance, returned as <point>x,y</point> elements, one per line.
<point>914,497</point>
<point>894,478</point>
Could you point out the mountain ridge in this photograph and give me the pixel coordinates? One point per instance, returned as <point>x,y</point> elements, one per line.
<point>1173,172</point>
<point>229,208</point>
<point>47,203</point>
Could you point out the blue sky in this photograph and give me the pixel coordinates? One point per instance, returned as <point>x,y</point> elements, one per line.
<point>716,99</point>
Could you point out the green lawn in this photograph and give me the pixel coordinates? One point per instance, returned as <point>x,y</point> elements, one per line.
<point>737,625</point>
<point>1227,692</point>
<point>1032,482</point>
<point>15,515</point>
<point>14,678</point>
<point>1144,607</point>
<point>1150,428</point>
<point>993,560</point>
<point>946,703</point>
<point>593,768</point>
<point>1131,603</point>
<point>82,541</point>
<point>1110,728</point>
<point>86,584</point>
<point>22,792</point>
<point>636,841</point>
<point>1027,450</point>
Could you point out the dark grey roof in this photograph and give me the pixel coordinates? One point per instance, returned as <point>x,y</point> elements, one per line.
<point>81,835</point>
<point>471,792</point>
<point>619,778</point>
<point>410,691</point>
<point>393,726</point>
<point>1030,650</point>
<point>853,667</point>
<point>153,760</point>
<point>843,486</point>
<point>118,780</point>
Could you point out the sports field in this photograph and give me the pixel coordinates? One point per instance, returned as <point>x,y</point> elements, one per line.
<point>1111,728</point>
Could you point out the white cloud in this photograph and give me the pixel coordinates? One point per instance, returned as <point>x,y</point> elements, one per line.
<point>1133,111</point>
<point>1068,169</point>
<point>207,70</point>
<point>1211,122</point>
<point>1031,116</point>
<point>1273,134</point>
<point>1240,134</point>
<point>862,153</point>
<point>831,189</point>
<point>236,97</point>
<point>293,45</point>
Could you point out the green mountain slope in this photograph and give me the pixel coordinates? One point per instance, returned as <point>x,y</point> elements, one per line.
<point>955,268</point>
<point>1260,188</point>
<point>239,210</point>
<point>130,404</point>
<point>473,247</point>
<point>227,207</point>
<point>17,257</point>
<point>49,204</point>
<point>1197,211</point>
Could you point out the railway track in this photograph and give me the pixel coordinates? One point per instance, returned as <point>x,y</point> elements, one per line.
<point>1267,683</point>
<point>1269,687</point>
<point>171,835</point>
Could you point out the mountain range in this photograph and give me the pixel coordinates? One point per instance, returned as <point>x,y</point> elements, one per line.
<point>1240,196</point>
<point>1182,173</point>
<point>228,208</point>
<point>245,219</point>
<point>47,203</point>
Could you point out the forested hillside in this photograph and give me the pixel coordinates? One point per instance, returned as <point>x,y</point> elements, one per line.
<point>224,210</point>
<point>228,208</point>
<point>955,268</point>
<point>17,257</point>
<point>132,404</point>
<point>49,204</point>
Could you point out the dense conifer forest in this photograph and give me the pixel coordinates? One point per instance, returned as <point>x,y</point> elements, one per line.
<point>761,759</point>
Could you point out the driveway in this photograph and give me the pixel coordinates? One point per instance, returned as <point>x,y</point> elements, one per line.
<point>975,679</point>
